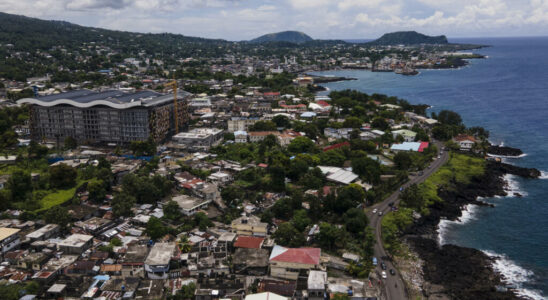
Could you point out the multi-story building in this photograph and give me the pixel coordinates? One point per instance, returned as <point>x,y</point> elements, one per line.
<point>288,263</point>
<point>106,117</point>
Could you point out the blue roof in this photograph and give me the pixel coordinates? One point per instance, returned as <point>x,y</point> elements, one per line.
<point>308,114</point>
<point>406,146</point>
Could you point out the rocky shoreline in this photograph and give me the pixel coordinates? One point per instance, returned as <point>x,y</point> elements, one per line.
<point>454,272</point>
<point>504,151</point>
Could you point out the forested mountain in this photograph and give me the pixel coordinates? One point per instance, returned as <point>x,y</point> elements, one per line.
<point>284,36</point>
<point>408,38</point>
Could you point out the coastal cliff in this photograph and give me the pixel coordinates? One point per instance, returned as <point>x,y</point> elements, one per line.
<point>504,151</point>
<point>452,271</point>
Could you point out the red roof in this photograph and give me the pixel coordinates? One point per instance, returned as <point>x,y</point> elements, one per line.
<point>272,94</point>
<point>308,256</point>
<point>336,146</point>
<point>323,103</point>
<point>423,146</point>
<point>464,137</point>
<point>249,242</point>
<point>262,165</point>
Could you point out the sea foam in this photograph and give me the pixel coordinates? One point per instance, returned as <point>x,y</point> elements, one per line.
<point>468,214</point>
<point>543,175</point>
<point>512,186</point>
<point>513,274</point>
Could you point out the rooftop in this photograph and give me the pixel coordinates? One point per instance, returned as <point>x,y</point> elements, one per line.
<point>75,240</point>
<point>7,232</point>
<point>308,256</point>
<point>160,254</point>
<point>249,242</point>
<point>114,98</point>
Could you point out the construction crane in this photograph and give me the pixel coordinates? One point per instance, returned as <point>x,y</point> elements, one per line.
<point>175,104</point>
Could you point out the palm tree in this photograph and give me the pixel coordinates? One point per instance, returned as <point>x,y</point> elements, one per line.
<point>184,244</point>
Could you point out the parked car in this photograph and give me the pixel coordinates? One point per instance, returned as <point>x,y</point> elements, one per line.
<point>380,213</point>
<point>375,211</point>
<point>383,265</point>
<point>383,274</point>
<point>392,272</point>
<point>374,261</point>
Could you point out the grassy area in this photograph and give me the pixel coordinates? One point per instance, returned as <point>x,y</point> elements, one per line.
<point>460,169</point>
<point>56,198</point>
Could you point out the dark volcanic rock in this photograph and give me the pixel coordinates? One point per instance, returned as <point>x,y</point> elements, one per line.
<point>464,273</point>
<point>504,151</point>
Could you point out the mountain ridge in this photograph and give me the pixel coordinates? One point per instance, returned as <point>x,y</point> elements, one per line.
<point>296,37</point>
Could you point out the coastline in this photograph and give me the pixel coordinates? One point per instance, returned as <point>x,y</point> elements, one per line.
<point>473,273</point>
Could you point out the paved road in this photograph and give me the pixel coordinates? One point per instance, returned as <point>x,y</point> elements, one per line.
<point>394,287</point>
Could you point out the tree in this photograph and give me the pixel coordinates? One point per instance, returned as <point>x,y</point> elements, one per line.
<point>302,144</point>
<point>355,221</point>
<point>403,160</point>
<point>367,168</point>
<point>122,204</point>
<point>70,143</point>
<point>380,123</point>
<point>232,195</point>
<point>229,136</point>
<point>202,221</point>
<point>19,185</point>
<point>186,293</point>
<point>155,228</point>
<point>352,122</point>
<point>62,176</point>
<point>57,215</point>
<point>300,220</point>
<point>277,177</point>
<point>412,197</point>
<point>172,211</point>
<point>333,157</point>
<point>297,168</point>
<point>37,151</point>
<point>270,141</point>
<point>288,236</point>
<point>313,179</point>
<point>448,117</point>
<point>281,121</point>
<point>348,197</point>
<point>97,190</point>
<point>263,126</point>
<point>330,237</point>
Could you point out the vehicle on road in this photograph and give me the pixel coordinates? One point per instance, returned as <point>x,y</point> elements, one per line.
<point>380,213</point>
<point>383,265</point>
<point>375,211</point>
<point>374,261</point>
<point>392,272</point>
<point>391,204</point>
<point>383,274</point>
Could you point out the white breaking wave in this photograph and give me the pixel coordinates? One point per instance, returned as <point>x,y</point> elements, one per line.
<point>512,186</point>
<point>468,214</point>
<point>513,274</point>
<point>543,175</point>
<point>506,156</point>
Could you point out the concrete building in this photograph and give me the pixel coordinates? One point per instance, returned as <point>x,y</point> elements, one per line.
<point>43,233</point>
<point>75,244</point>
<point>408,135</point>
<point>240,124</point>
<point>190,205</point>
<point>157,262</point>
<point>240,136</point>
<point>199,138</point>
<point>251,225</point>
<point>9,239</point>
<point>105,117</point>
<point>465,142</point>
<point>288,263</point>
<point>317,283</point>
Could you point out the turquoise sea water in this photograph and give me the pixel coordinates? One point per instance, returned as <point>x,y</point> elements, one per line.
<point>508,95</point>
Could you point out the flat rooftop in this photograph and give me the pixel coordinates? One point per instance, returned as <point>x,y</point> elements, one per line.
<point>6,232</point>
<point>188,202</point>
<point>160,254</point>
<point>75,240</point>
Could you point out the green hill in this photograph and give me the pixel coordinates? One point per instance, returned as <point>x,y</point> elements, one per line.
<point>284,36</point>
<point>408,38</point>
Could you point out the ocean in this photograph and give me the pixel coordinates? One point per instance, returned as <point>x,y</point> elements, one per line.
<point>507,93</point>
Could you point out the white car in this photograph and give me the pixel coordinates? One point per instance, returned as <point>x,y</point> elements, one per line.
<point>383,274</point>
<point>375,211</point>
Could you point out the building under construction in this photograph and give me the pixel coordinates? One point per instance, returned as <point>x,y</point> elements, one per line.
<point>107,117</point>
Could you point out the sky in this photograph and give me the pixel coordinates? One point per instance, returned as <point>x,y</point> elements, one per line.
<point>321,19</point>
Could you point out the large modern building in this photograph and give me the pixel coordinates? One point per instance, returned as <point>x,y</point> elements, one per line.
<point>106,117</point>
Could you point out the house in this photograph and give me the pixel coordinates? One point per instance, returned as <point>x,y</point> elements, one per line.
<point>285,288</point>
<point>408,135</point>
<point>220,178</point>
<point>265,296</point>
<point>240,136</point>
<point>43,233</point>
<point>250,226</point>
<point>409,146</point>
<point>199,138</point>
<point>316,284</point>
<point>157,262</point>
<point>465,142</point>
<point>338,175</point>
<point>75,244</point>
<point>250,242</point>
<point>190,205</point>
<point>288,263</point>
<point>250,261</point>
<point>9,239</point>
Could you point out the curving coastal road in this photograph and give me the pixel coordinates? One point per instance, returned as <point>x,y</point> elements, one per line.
<point>393,284</point>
